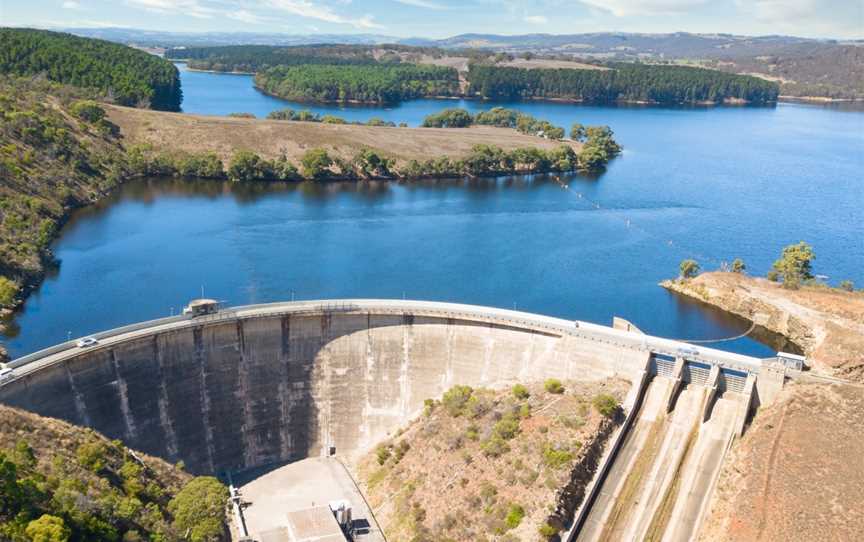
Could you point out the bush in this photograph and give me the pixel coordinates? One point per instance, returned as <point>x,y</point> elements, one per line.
<point>92,455</point>
<point>507,427</point>
<point>455,399</point>
<point>738,266</point>
<point>494,446</point>
<point>515,513</point>
<point>688,269</point>
<point>47,529</point>
<point>547,531</point>
<point>382,454</point>
<point>242,115</point>
<point>605,404</point>
<point>556,459</point>
<point>88,111</point>
<point>553,385</point>
<point>248,166</point>
<point>846,285</point>
<point>521,392</point>
<point>316,164</point>
<point>449,118</point>
<point>199,509</point>
<point>8,290</point>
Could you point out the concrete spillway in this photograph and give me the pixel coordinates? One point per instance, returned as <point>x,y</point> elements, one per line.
<point>265,384</point>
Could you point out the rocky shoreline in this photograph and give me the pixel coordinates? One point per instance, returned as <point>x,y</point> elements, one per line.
<point>828,324</point>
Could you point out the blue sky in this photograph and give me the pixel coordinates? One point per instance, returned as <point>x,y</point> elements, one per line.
<point>442,18</point>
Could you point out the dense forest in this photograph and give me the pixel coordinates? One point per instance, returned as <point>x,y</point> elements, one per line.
<point>62,483</point>
<point>374,83</point>
<point>255,58</point>
<point>625,82</point>
<point>122,74</point>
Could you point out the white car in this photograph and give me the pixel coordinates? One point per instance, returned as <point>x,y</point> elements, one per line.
<point>87,342</point>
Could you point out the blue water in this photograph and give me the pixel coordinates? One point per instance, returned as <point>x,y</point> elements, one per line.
<point>711,183</point>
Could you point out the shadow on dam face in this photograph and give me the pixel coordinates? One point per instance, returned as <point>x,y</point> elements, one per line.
<point>245,392</point>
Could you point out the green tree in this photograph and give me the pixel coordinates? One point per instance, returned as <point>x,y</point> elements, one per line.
<point>456,399</point>
<point>246,166</point>
<point>48,528</point>
<point>688,269</point>
<point>8,290</point>
<point>738,266</point>
<point>315,164</point>
<point>199,509</point>
<point>577,132</point>
<point>794,265</point>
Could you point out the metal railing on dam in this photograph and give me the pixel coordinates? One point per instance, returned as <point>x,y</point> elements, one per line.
<point>536,322</point>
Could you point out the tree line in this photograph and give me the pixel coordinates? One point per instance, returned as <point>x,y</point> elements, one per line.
<point>121,74</point>
<point>658,84</point>
<point>373,83</point>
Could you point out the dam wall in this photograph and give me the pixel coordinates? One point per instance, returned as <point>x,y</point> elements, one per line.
<point>263,384</point>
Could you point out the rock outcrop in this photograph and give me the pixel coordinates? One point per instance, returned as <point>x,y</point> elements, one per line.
<point>827,324</point>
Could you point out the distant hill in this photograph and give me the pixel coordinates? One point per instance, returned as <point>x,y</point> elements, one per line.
<point>129,76</point>
<point>802,66</point>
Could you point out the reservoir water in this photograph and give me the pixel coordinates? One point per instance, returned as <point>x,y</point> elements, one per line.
<point>712,184</point>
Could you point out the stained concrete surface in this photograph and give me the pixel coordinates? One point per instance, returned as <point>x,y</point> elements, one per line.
<point>301,486</point>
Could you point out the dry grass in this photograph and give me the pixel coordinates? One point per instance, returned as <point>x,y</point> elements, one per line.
<point>269,138</point>
<point>446,487</point>
<point>798,474</point>
<point>827,323</point>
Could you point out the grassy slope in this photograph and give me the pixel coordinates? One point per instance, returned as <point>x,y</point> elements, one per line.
<point>446,488</point>
<point>123,493</point>
<point>224,135</point>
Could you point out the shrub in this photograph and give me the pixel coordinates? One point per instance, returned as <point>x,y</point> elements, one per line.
<point>738,266</point>
<point>605,404</point>
<point>846,285</point>
<point>553,385</point>
<point>247,166</point>
<point>515,513</point>
<point>688,269</point>
<point>8,290</point>
<point>382,454</point>
<point>456,398</point>
<point>47,529</point>
<point>494,446</point>
<point>400,450</point>
<point>472,432</point>
<point>547,531</point>
<point>555,458</point>
<point>316,163</point>
<point>199,509</point>
<point>242,115</point>
<point>88,111</point>
<point>92,455</point>
<point>507,427</point>
<point>520,392</point>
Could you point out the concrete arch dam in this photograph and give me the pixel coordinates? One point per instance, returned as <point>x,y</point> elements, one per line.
<point>263,384</point>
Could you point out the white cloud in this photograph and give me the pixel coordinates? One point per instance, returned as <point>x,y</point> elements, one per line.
<point>69,4</point>
<point>828,18</point>
<point>624,8</point>
<point>305,8</point>
<point>536,19</point>
<point>193,8</point>
<point>245,16</point>
<point>421,4</point>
